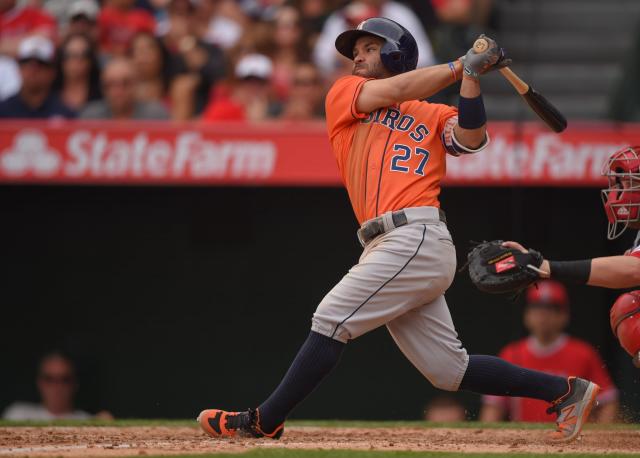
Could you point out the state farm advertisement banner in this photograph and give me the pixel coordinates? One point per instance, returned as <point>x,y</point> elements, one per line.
<point>295,154</point>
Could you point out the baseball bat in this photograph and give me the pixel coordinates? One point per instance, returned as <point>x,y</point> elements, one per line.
<point>536,101</point>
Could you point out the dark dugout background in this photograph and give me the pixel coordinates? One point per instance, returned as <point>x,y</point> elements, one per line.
<point>176,299</point>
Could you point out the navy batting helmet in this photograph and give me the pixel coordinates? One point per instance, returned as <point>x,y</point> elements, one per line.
<point>399,53</point>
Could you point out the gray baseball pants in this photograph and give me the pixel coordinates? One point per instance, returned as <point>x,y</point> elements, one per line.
<point>400,282</point>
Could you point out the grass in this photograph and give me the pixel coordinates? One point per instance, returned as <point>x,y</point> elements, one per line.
<point>283,453</point>
<point>315,423</point>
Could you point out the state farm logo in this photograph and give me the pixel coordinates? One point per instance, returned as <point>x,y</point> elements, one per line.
<point>179,155</point>
<point>30,152</point>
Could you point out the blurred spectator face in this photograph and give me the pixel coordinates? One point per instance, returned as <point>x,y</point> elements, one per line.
<point>366,58</point>
<point>76,58</point>
<point>547,310</point>
<point>82,18</point>
<point>253,75</point>
<point>122,4</point>
<point>146,56</point>
<point>118,81</point>
<point>57,384</point>
<point>313,8</point>
<point>287,32</point>
<point>6,5</point>
<point>443,409</point>
<point>306,83</point>
<point>306,94</point>
<point>545,322</point>
<point>36,61</point>
<point>180,7</point>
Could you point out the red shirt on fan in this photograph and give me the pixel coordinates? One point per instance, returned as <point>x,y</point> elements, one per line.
<point>566,356</point>
<point>118,27</point>
<point>20,22</point>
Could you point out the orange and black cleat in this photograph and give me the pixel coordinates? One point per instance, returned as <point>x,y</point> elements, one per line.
<point>573,408</point>
<point>219,423</point>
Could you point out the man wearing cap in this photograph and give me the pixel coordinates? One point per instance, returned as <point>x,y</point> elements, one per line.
<point>35,100</point>
<point>248,99</point>
<point>549,349</point>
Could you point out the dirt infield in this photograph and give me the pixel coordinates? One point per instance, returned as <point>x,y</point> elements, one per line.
<point>123,441</point>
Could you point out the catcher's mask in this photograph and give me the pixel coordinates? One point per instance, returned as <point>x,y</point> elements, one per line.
<point>621,198</point>
<point>625,322</point>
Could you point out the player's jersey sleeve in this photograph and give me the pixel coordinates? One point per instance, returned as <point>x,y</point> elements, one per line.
<point>447,120</point>
<point>340,104</point>
<point>599,374</point>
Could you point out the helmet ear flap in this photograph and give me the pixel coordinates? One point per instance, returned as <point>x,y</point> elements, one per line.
<point>392,58</point>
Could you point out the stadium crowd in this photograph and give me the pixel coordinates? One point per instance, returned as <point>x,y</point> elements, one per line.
<point>213,60</point>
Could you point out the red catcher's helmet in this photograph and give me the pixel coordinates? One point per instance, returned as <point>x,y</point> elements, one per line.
<point>625,321</point>
<point>622,197</point>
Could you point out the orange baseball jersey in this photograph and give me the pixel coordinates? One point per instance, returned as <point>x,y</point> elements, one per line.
<point>392,158</point>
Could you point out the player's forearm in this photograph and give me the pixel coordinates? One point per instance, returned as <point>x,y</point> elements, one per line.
<point>425,82</point>
<point>608,272</point>
<point>471,130</point>
<point>615,272</point>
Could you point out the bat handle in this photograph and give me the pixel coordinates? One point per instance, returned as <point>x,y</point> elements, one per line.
<point>515,81</point>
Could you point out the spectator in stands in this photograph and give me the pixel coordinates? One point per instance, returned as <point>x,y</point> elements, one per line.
<point>78,74</point>
<point>459,24</point>
<point>287,49</point>
<point>331,64</point>
<point>249,95</point>
<point>118,87</point>
<point>82,18</point>
<point>57,385</point>
<point>18,22</point>
<point>548,349</point>
<point>306,98</point>
<point>197,67</point>
<point>222,22</point>
<point>313,14</point>
<point>152,67</point>
<point>36,99</point>
<point>118,22</point>
<point>625,101</point>
<point>444,409</point>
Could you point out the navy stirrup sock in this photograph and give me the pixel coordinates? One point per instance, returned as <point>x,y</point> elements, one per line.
<point>492,375</point>
<point>315,359</point>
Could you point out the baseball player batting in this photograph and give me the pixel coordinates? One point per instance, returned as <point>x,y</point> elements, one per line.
<point>390,147</point>
<point>621,201</point>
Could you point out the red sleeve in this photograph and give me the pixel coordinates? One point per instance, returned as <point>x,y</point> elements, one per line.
<point>635,252</point>
<point>45,23</point>
<point>144,22</point>
<point>340,103</point>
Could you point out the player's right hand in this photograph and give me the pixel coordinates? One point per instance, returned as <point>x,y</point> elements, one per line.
<point>476,64</point>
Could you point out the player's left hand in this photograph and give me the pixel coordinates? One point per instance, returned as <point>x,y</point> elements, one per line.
<point>492,58</point>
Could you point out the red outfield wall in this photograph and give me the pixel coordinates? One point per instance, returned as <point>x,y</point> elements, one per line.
<point>280,154</point>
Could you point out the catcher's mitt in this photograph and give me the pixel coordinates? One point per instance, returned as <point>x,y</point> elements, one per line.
<point>494,268</point>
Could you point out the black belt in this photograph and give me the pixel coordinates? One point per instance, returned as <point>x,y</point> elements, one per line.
<point>375,227</point>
